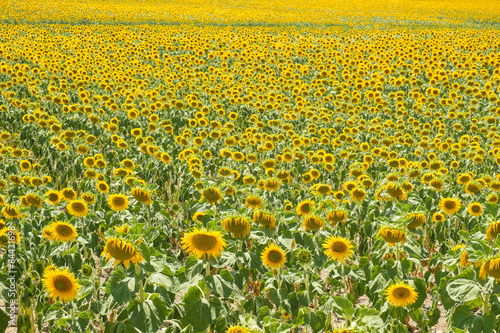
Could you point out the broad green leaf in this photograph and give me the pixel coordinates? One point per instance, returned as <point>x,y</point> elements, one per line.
<point>121,287</point>
<point>197,310</point>
<point>462,290</point>
<point>148,315</point>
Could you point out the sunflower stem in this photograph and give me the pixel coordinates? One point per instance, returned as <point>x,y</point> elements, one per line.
<point>397,251</point>
<point>142,296</point>
<point>486,304</point>
<point>207,290</point>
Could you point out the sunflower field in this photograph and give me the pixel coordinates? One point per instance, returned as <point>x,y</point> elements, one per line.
<point>249,166</point>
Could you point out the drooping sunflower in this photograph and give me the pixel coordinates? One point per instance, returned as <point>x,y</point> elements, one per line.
<point>253,202</point>
<point>338,248</point>
<point>473,187</point>
<point>77,208</point>
<point>204,244</point>
<point>401,294</point>
<point>475,209</point>
<point>53,197</point>
<point>121,251</point>
<point>358,194</point>
<point>266,220</point>
<point>238,226</point>
<point>34,200</point>
<point>273,256</point>
<point>336,216</point>
<point>141,195</point>
<point>305,207</point>
<point>492,268</point>
<point>392,235</point>
<point>62,231</point>
<point>395,191</point>
<point>492,231</point>
<point>449,205</point>
<point>118,202</point>
<point>61,284</point>
<point>11,212</point>
<point>212,195</point>
<point>48,233</point>
<point>68,194</point>
<point>89,198</point>
<point>272,185</point>
<point>313,222</point>
<point>417,219</point>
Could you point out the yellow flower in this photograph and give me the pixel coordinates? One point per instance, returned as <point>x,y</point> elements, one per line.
<point>449,205</point>
<point>204,244</point>
<point>392,235</point>
<point>312,222</point>
<point>239,227</point>
<point>273,256</point>
<point>212,195</point>
<point>77,208</point>
<point>61,284</point>
<point>62,231</point>
<point>121,251</point>
<point>141,195</point>
<point>118,202</point>
<point>264,219</point>
<point>401,294</point>
<point>475,209</point>
<point>10,212</point>
<point>6,235</point>
<point>338,248</point>
<point>492,231</point>
<point>305,207</point>
<point>253,202</point>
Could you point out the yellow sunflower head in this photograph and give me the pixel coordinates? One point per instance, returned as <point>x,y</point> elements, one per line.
<point>61,284</point>
<point>449,205</point>
<point>62,231</point>
<point>77,208</point>
<point>338,248</point>
<point>492,268</point>
<point>6,236</point>
<point>475,209</point>
<point>401,294</point>
<point>53,197</point>
<point>492,231</point>
<point>265,219</point>
<point>121,251</point>
<point>273,256</point>
<point>305,207</point>
<point>212,195</point>
<point>11,212</point>
<point>416,220</point>
<point>253,202</point>
<point>312,222</point>
<point>118,202</point>
<point>392,235</point>
<point>204,244</point>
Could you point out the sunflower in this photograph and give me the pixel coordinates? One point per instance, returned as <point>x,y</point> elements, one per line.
<point>336,216</point>
<point>253,202</point>
<point>212,195</point>
<point>11,212</point>
<point>62,231</point>
<point>68,194</point>
<point>239,227</point>
<point>392,235</point>
<point>272,185</point>
<point>401,294</point>
<point>237,329</point>
<point>121,251</point>
<point>102,187</point>
<point>53,197</point>
<point>61,283</point>
<point>473,187</point>
<point>492,231</point>
<point>395,191</point>
<point>338,248</point>
<point>204,244</point>
<point>264,219</point>
<point>89,198</point>
<point>492,268</point>
<point>124,229</point>
<point>312,222</point>
<point>77,208</point>
<point>305,207</point>
<point>25,165</point>
<point>34,200</point>
<point>273,256</point>
<point>358,194</point>
<point>475,209</point>
<point>6,235</point>
<point>198,216</point>
<point>438,217</point>
<point>118,202</point>
<point>417,219</point>
<point>449,205</point>
<point>48,233</point>
<point>141,195</point>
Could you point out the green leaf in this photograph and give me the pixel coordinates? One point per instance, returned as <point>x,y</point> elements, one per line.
<point>121,287</point>
<point>120,327</point>
<point>462,290</point>
<point>342,306</point>
<point>371,319</point>
<point>483,324</point>
<point>222,284</point>
<point>197,310</point>
<point>421,289</point>
<point>317,320</point>
<point>148,315</point>
<point>4,320</point>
